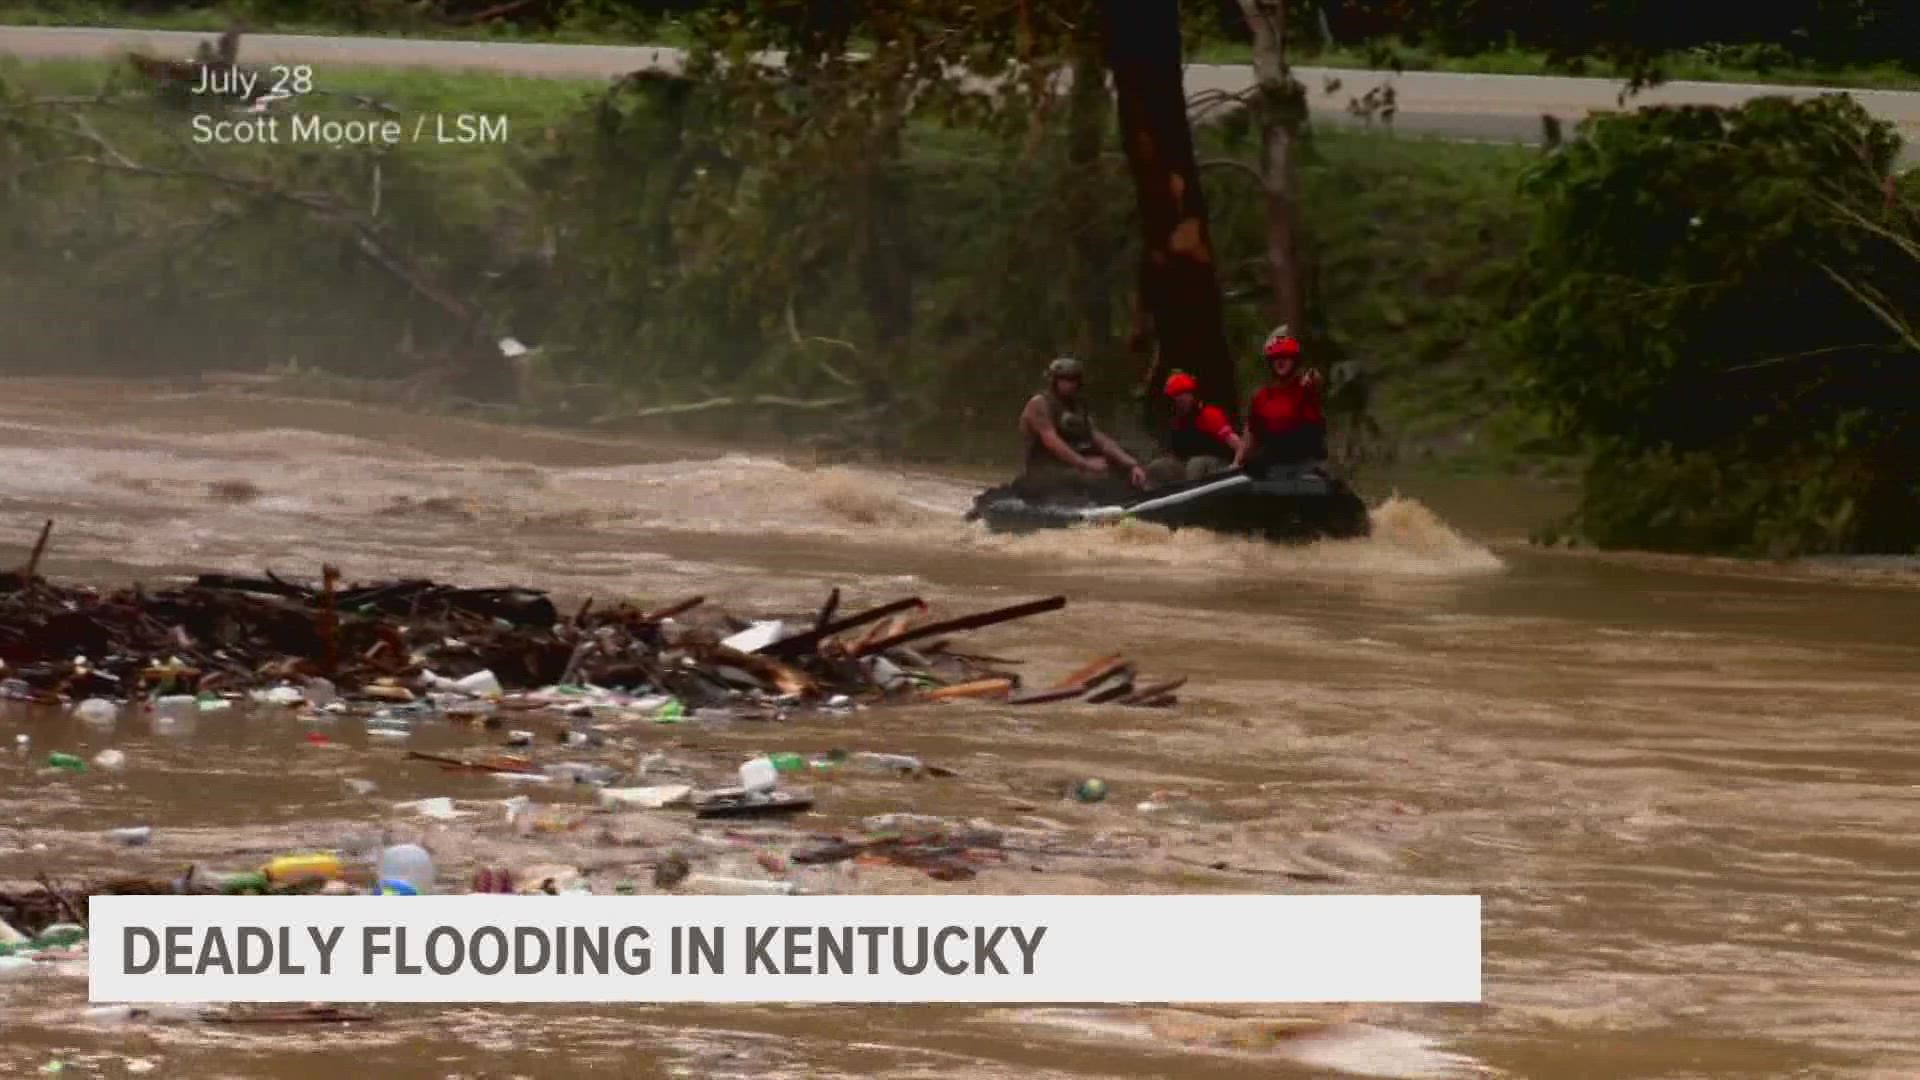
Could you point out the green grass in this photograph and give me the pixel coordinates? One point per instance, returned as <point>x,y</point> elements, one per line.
<point>1416,240</point>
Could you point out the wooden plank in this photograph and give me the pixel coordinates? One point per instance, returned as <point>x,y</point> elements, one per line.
<point>979,688</point>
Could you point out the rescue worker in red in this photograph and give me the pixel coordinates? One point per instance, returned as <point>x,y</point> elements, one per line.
<point>1199,441</point>
<point>1067,455</point>
<point>1286,420</point>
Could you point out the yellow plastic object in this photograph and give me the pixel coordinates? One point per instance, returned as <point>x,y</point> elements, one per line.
<point>291,868</point>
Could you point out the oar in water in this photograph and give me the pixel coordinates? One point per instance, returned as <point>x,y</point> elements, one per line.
<point>1109,513</point>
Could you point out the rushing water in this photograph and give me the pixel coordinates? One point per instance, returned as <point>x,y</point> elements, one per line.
<point>1686,788</point>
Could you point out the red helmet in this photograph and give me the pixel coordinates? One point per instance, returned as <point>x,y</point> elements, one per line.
<point>1181,383</point>
<point>1280,345</point>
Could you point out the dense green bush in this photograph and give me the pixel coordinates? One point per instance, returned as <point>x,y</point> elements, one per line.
<point>1723,303</point>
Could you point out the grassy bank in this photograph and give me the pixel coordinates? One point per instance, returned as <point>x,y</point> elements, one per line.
<point>1412,242</point>
<point>587,24</point>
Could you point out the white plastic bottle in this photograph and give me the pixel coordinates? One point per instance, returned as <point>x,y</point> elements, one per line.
<point>406,870</point>
<point>759,776</point>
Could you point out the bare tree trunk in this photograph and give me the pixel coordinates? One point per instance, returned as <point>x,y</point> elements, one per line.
<point>1280,107</point>
<point>1092,291</point>
<point>1179,282</point>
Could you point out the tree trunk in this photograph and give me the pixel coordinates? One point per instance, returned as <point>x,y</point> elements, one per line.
<point>1092,289</point>
<point>1280,107</point>
<point>1179,283</point>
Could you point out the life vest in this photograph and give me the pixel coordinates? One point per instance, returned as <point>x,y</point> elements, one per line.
<point>1189,437</point>
<point>1071,422</point>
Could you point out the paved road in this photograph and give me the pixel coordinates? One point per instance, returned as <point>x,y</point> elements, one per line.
<point>1503,108</point>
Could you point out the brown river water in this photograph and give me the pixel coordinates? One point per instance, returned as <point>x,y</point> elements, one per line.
<point>1687,789</point>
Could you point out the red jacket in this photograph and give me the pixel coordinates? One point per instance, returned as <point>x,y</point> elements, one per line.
<point>1277,410</point>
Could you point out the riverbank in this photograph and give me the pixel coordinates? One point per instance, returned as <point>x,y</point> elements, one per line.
<point>1414,240</point>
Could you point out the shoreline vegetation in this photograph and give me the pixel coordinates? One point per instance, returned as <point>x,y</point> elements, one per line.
<point>594,27</point>
<point>700,254</point>
<point>1386,209</point>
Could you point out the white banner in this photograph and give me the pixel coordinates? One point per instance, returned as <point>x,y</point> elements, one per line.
<point>999,949</point>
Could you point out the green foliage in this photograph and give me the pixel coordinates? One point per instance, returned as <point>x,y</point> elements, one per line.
<point>1722,302</point>
<point>1641,32</point>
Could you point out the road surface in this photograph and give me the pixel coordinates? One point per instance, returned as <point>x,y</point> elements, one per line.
<point>1504,108</point>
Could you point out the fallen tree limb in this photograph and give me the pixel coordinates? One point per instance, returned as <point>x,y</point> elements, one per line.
<point>802,643</point>
<point>968,622</point>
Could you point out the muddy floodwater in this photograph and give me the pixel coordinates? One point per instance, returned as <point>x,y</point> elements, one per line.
<point>1687,789</point>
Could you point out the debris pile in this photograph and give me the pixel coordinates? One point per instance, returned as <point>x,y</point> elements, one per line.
<point>397,641</point>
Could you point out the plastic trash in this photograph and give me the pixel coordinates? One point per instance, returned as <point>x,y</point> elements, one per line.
<point>96,711</point>
<point>110,760</point>
<point>66,762</point>
<point>482,683</point>
<point>582,773</point>
<point>519,738</point>
<point>176,707</point>
<point>756,637</point>
<point>440,809</point>
<point>886,674</point>
<point>406,870</point>
<point>319,693</point>
<point>646,798</point>
<point>890,762</point>
<point>759,776</point>
<point>237,884</point>
<point>741,886</point>
<point>1091,790</point>
<point>299,868</point>
<point>213,703</point>
<point>787,762</point>
<point>360,786</point>
<point>280,695</point>
<point>131,836</point>
<point>673,712</point>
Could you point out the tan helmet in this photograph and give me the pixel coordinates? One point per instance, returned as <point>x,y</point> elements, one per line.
<point>1065,367</point>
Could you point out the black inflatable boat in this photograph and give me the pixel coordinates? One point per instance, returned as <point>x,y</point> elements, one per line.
<point>1287,503</point>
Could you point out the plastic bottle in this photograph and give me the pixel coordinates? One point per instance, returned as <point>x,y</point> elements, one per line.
<point>672,712</point>
<point>294,868</point>
<point>66,762</point>
<point>406,870</point>
<point>788,762</point>
<point>759,775</point>
<point>132,836</point>
<point>245,883</point>
<point>176,707</point>
<point>480,684</point>
<point>96,711</point>
<point>895,762</point>
<point>742,886</point>
<point>110,760</point>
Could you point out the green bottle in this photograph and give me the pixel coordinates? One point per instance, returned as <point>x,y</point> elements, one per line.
<point>245,883</point>
<point>786,761</point>
<point>66,761</point>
